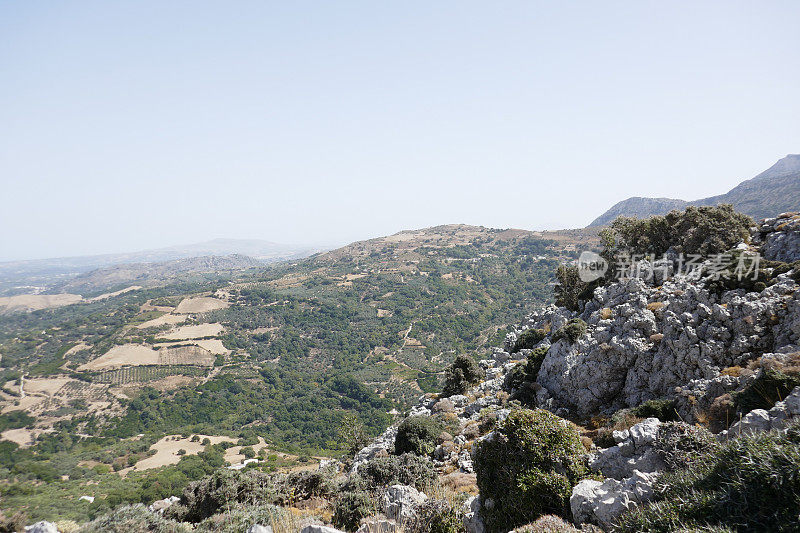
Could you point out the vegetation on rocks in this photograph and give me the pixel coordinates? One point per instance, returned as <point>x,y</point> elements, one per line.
<point>417,435</point>
<point>663,409</point>
<point>681,445</point>
<point>406,469</point>
<point>460,375</point>
<point>436,516</point>
<point>529,339</point>
<point>350,507</point>
<point>750,484</point>
<point>528,468</point>
<point>134,519</point>
<point>520,381</point>
<point>571,331</point>
<point>770,386</point>
<point>696,230</point>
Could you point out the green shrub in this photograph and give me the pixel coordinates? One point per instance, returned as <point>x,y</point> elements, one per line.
<point>572,331</point>
<point>225,488</point>
<point>248,452</point>
<point>769,387</point>
<point>681,445</point>
<point>462,373</point>
<point>548,524</point>
<point>528,468</point>
<point>306,484</point>
<point>696,230</point>
<point>436,516</point>
<point>749,484</point>
<point>520,381</point>
<point>405,469</point>
<point>417,435</point>
<point>663,409</point>
<point>13,523</point>
<point>528,339</point>
<point>241,517</point>
<point>351,507</point>
<point>134,519</point>
<point>570,290</point>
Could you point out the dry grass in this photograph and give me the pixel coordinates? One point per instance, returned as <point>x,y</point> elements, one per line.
<point>656,306</point>
<point>734,371</point>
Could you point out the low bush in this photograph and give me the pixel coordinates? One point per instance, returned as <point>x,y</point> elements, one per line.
<point>720,414</point>
<point>13,523</point>
<point>417,435</point>
<point>529,339</point>
<point>748,484</point>
<point>306,484</point>
<point>405,469</point>
<point>701,230</point>
<point>681,445</point>
<point>769,387</point>
<point>528,468</point>
<point>436,516</point>
<point>460,375</point>
<point>520,381</point>
<point>134,519</point>
<point>571,331</point>
<point>223,489</point>
<point>240,518</point>
<point>548,524</point>
<point>663,409</point>
<point>351,507</point>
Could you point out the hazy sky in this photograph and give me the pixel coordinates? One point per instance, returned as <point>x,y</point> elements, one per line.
<point>131,125</point>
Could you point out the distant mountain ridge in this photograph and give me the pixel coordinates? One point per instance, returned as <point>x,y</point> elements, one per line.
<point>58,271</point>
<point>773,191</point>
<point>150,274</point>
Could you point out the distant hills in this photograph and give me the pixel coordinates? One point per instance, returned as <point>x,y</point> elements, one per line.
<point>774,191</point>
<point>44,274</point>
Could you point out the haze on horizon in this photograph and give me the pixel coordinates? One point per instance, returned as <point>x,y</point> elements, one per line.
<point>136,125</point>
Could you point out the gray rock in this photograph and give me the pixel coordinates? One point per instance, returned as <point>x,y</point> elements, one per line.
<point>314,528</point>
<point>258,528</point>
<point>601,503</point>
<point>759,420</point>
<point>380,446</point>
<point>42,527</point>
<point>159,506</point>
<point>473,522</point>
<point>634,452</point>
<point>658,338</point>
<point>400,502</point>
<point>378,525</point>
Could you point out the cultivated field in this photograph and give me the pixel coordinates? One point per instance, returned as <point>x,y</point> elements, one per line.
<point>34,302</point>
<point>197,331</point>
<point>201,304</point>
<point>163,320</point>
<point>167,450</point>
<point>126,354</point>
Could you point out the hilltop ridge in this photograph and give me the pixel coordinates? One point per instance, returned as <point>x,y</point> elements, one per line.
<point>776,190</point>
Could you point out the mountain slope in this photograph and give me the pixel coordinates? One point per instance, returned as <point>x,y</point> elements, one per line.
<point>773,191</point>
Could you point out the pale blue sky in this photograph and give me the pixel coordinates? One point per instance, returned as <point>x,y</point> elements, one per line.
<point>130,125</point>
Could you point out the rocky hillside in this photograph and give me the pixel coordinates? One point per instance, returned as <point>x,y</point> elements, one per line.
<point>775,190</point>
<point>667,401</point>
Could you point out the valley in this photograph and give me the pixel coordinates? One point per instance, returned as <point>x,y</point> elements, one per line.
<point>275,354</point>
